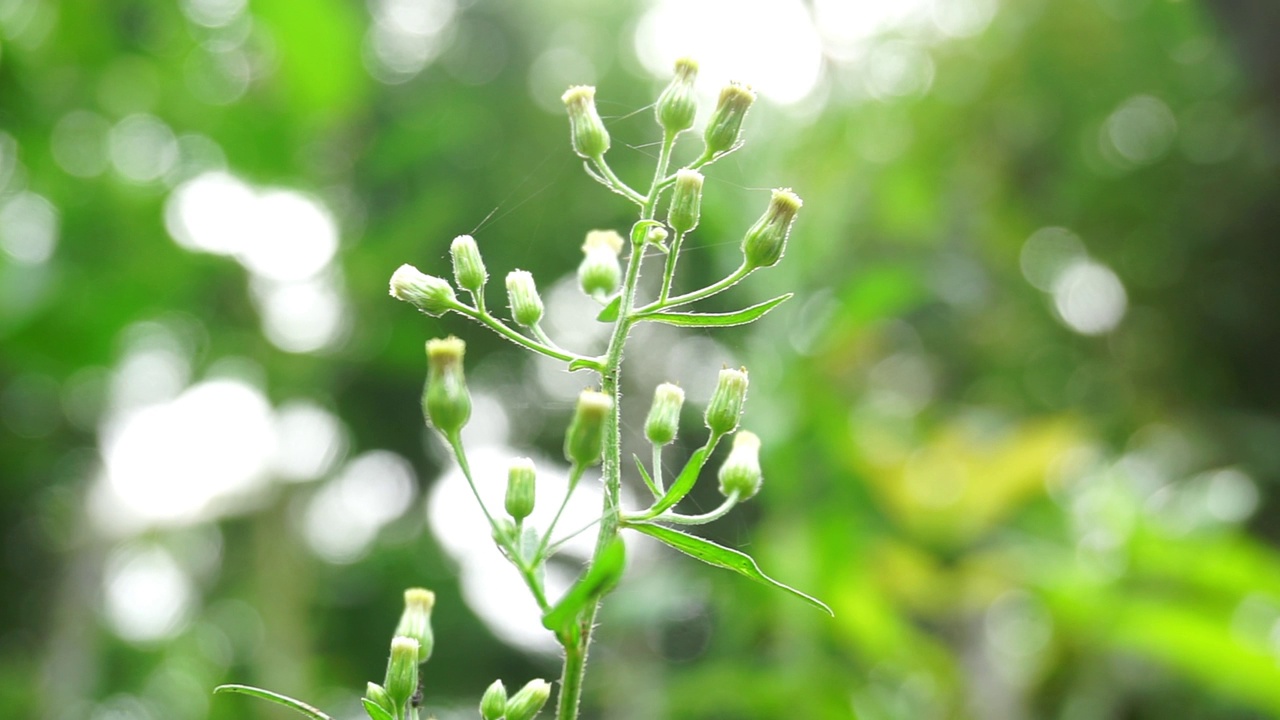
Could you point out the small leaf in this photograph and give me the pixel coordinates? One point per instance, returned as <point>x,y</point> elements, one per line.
<point>376,711</point>
<point>713,554</point>
<point>644,474</point>
<point>598,579</point>
<point>741,317</point>
<point>276,698</point>
<point>684,481</point>
<point>609,313</point>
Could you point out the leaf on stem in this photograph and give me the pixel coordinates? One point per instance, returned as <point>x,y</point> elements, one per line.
<point>276,698</point>
<point>644,474</point>
<point>684,481</point>
<point>720,556</point>
<point>730,319</point>
<point>376,711</point>
<point>597,580</point>
<point>610,312</point>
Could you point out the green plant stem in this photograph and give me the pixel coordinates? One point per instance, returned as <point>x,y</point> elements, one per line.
<point>455,442</point>
<point>717,287</point>
<point>575,475</point>
<point>669,272</point>
<point>493,323</point>
<point>678,519</point>
<point>615,183</point>
<point>657,472</point>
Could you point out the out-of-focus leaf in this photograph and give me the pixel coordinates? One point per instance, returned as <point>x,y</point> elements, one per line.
<point>376,711</point>
<point>277,698</point>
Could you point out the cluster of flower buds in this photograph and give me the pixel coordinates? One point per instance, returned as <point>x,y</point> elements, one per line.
<point>524,705</point>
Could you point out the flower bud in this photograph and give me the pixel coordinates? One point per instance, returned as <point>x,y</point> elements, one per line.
<point>415,621</point>
<point>428,293</point>
<point>522,296</point>
<point>468,266</point>
<point>378,696</point>
<point>686,201</point>
<point>656,235</point>
<point>740,472</point>
<point>764,242</point>
<point>590,138</point>
<point>402,671</point>
<point>725,406</point>
<point>600,273</point>
<point>664,414</point>
<point>493,704</point>
<point>529,700</point>
<point>521,483</point>
<point>584,441</point>
<point>445,398</point>
<point>725,125</point>
<point>677,104</point>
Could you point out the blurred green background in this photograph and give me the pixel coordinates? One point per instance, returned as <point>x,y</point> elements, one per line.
<point>1020,423</point>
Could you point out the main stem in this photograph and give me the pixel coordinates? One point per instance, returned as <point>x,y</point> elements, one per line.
<point>575,650</point>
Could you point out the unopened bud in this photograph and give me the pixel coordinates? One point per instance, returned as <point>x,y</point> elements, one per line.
<point>493,704</point>
<point>725,406</point>
<point>600,272</point>
<point>584,441</point>
<point>664,414</point>
<point>764,243</point>
<point>468,266</point>
<point>378,696</point>
<point>521,484</point>
<point>402,671</point>
<point>528,702</point>
<point>428,293</point>
<point>740,472</point>
<point>522,296</point>
<point>445,398</point>
<point>725,125</point>
<point>677,105</point>
<point>656,235</point>
<point>686,201</point>
<point>415,621</point>
<point>590,138</point>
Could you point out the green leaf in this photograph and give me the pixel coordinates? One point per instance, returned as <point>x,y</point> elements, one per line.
<point>684,481</point>
<point>644,474</point>
<point>713,554</point>
<point>609,313</point>
<point>730,319</point>
<point>584,364</point>
<point>276,698</point>
<point>597,580</point>
<point>376,711</point>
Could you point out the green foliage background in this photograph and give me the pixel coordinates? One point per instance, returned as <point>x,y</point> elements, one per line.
<point>1009,518</point>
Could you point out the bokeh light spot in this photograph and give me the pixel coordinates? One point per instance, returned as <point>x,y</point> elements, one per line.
<point>28,228</point>
<point>148,596</point>
<point>1089,297</point>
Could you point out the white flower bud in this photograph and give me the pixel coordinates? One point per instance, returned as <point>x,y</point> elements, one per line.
<point>740,472</point>
<point>428,293</point>
<point>600,272</point>
<point>523,298</point>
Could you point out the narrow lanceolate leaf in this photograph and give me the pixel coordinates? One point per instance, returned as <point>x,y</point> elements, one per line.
<point>376,711</point>
<point>713,554</point>
<point>684,482</point>
<point>276,698</point>
<point>596,581</point>
<point>584,364</point>
<point>644,474</point>
<point>610,311</point>
<point>709,320</point>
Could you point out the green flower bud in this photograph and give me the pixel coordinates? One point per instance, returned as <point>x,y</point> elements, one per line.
<point>415,621</point>
<point>726,402</point>
<point>493,704</point>
<point>584,441</point>
<point>765,241</point>
<point>656,235</point>
<point>379,697</point>
<point>523,298</point>
<point>664,414</point>
<point>677,104</point>
<point>590,138</point>
<point>740,472</point>
<point>445,398</point>
<point>521,483</point>
<point>428,293</point>
<point>468,266</point>
<point>402,671</point>
<point>686,201</point>
<point>725,125</point>
<point>600,272</point>
<point>526,703</point>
